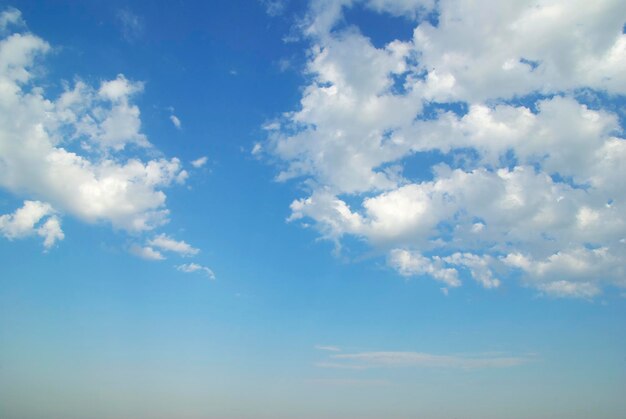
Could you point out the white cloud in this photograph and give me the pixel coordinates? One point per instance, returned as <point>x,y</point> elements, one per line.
<point>146,252</point>
<point>194,267</point>
<point>77,151</point>
<point>486,107</point>
<point>199,162</point>
<point>29,220</point>
<point>408,264</point>
<point>119,89</point>
<point>175,121</point>
<point>366,360</point>
<point>164,242</point>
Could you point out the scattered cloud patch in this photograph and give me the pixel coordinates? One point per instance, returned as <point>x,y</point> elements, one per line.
<point>33,218</point>
<point>194,267</point>
<point>528,176</point>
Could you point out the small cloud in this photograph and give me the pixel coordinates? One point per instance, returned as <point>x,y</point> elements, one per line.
<point>175,121</point>
<point>119,90</point>
<point>256,149</point>
<point>198,163</point>
<point>194,267</point>
<point>10,16</point>
<point>284,64</point>
<point>233,72</point>
<point>329,348</point>
<point>271,126</point>
<point>164,242</point>
<point>29,220</point>
<point>146,252</point>
<point>131,25</point>
<point>445,291</point>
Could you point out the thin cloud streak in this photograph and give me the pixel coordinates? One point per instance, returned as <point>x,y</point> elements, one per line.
<point>366,360</point>
<point>329,348</point>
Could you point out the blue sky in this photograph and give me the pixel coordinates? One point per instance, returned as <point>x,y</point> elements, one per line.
<point>291,209</point>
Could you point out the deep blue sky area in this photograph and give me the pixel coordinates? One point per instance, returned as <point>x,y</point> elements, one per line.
<point>269,298</point>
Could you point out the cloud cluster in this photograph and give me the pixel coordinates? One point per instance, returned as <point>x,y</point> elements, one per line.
<point>489,143</point>
<point>34,218</point>
<point>77,154</point>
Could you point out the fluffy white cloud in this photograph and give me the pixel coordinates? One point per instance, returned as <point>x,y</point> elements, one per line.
<point>408,263</point>
<point>484,144</point>
<point>146,252</point>
<point>29,220</point>
<point>72,151</point>
<point>194,267</point>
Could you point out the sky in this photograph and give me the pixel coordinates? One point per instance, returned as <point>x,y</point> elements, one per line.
<point>305,209</point>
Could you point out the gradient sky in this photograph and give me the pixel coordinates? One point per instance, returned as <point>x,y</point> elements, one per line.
<point>323,209</point>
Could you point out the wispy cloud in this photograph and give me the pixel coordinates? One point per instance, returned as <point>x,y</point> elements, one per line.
<point>274,7</point>
<point>366,360</point>
<point>10,16</point>
<point>341,366</point>
<point>176,121</point>
<point>329,348</point>
<point>131,25</point>
<point>349,382</point>
<point>194,267</point>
